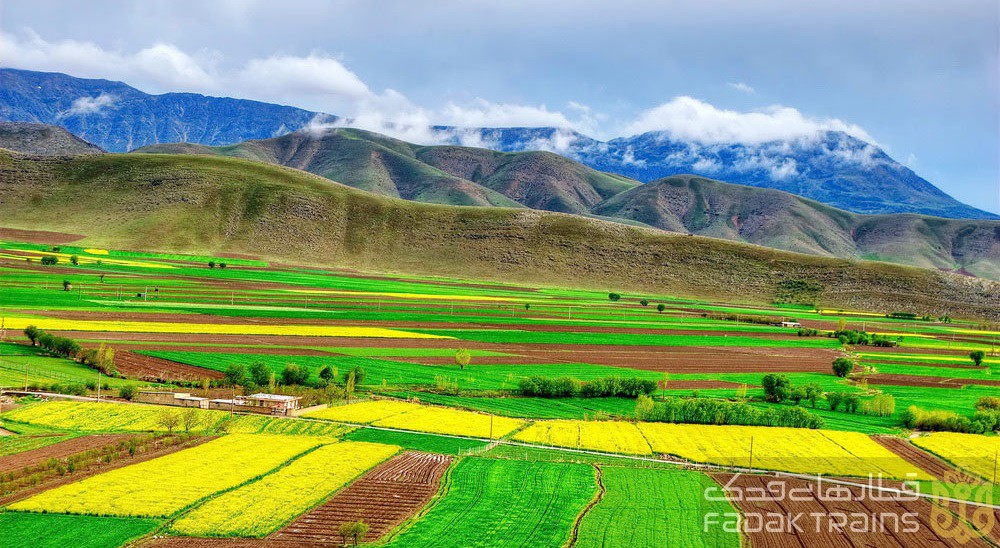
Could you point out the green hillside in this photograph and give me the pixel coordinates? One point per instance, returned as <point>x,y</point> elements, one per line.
<point>774,218</point>
<point>205,204</point>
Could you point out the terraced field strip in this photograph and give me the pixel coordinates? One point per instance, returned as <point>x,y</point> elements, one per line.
<point>927,462</point>
<point>154,488</point>
<point>150,368</point>
<point>420,418</point>
<point>857,520</point>
<point>60,531</point>
<point>972,452</point>
<point>259,508</point>
<point>492,502</point>
<point>382,498</point>
<point>58,451</point>
<point>654,508</point>
<point>11,444</point>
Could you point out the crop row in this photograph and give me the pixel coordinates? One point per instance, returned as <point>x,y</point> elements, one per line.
<point>421,418</point>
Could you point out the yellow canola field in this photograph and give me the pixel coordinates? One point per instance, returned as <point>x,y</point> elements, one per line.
<point>971,452</point>
<point>798,450</point>
<point>401,295</point>
<point>95,251</point>
<point>605,436</point>
<point>165,485</point>
<point>59,324</point>
<point>64,258</point>
<point>260,508</point>
<point>420,418</point>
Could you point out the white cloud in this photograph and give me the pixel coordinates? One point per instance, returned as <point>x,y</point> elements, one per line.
<point>316,75</point>
<point>743,87</point>
<point>689,119</point>
<point>90,105</point>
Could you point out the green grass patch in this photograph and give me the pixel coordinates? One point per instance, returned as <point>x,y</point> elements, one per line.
<point>418,442</point>
<point>59,530</point>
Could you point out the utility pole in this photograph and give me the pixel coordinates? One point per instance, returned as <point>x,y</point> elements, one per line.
<point>751,454</point>
<point>995,455</point>
<point>232,404</point>
<point>569,313</point>
<point>491,429</point>
<point>98,385</point>
<point>232,298</point>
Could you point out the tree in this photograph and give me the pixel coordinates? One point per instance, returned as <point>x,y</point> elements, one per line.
<point>327,374</point>
<point>260,373</point>
<point>813,393</point>
<point>797,394</point>
<point>127,392</point>
<point>527,306</point>
<point>355,530</point>
<point>462,358</point>
<point>834,399</point>
<point>168,419</point>
<point>777,388</point>
<point>977,357</point>
<point>842,367</point>
<point>211,264</point>
<point>293,373</point>
<point>190,419</point>
<point>236,375</point>
<point>50,260</point>
<point>222,265</point>
<point>32,333</point>
<point>614,297</point>
<point>644,302</point>
<point>661,307</point>
<point>67,285</point>
<point>74,260</point>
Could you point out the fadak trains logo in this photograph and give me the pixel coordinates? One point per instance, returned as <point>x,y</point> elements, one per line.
<point>964,511</point>
<point>958,509</point>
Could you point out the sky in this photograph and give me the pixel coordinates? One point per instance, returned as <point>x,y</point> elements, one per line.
<point>920,78</point>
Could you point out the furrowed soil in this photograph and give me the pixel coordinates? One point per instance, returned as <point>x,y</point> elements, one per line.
<point>383,498</point>
<point>930,382</point>
<point>916,456</point>
<point>857,520</point>
<point>149,368</point>
<point>59,450</point>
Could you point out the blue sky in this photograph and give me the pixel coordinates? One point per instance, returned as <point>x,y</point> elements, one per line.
<point>918,77</point>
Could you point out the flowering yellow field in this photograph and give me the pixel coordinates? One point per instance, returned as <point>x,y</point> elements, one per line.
<point>971,452</point>
<point>60,324</point>
<point>420,418</point>
<point>259,508</point>
<point>83,259</point>
<point>165,485</point>
<point>93,416</point>
<point>607,436</point>
<point>786,449</point>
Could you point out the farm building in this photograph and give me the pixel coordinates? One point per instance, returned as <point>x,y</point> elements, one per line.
<point>274,401</point>
<point>182,399</point>
<point>790,324</point>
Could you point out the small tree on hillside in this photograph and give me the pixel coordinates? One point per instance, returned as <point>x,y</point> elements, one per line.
<point>977,357</point>
<point>462,358</point>
<point>211,264</point>
<point>260,373</point>
<point>355,530</point>
<point>326,373</point>
<point>644,302</point>
<point>74,260</point>
<point>614,297</point>
<point>222,265</point>
<point>842,367</point>
<point>813,393</point>
<point>67,285</point>
<point>50,260</point>
<point>661,307</point>
<point>190,419</point>
<point>797,394</point>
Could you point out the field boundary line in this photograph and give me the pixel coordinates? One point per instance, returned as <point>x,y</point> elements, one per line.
<point>598,497</point>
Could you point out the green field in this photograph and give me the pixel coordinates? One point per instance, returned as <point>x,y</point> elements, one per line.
<point>507,502</point>
<point>651,508</point>
<point>59,531</point>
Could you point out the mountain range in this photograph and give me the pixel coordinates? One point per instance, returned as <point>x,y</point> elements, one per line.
<point>211,204</point>
<point>688,204</point>
<point>831,167</point>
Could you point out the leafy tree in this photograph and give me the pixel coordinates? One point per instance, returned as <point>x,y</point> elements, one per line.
<point>168,419</point>
<point>74,260</point>
<point>614,297</point>
<point>211,264</point>
<point>355,530</point>
<point>977,357</point>
<point>852,402</point>
<point>777,388</point>
<point>644,302</point>
<point>527,306</point>
<point>842,366</point>
<point>236,375</point>
<point>50,260</point>
<point>797,394</point>
<point>190,419</point>
<point>661,307</point>
<point>462,358</point>
<point>67,285</point>
<point>327,374</point>
<point>834,399</point>
<point>32,333</point>
<point>222,265</point>
<point>813,393</point>
<point>260,373</point>
<point>294,373</point>
<point>127,392</point>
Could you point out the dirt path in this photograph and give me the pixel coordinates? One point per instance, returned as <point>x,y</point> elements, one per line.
<point>600,495</point>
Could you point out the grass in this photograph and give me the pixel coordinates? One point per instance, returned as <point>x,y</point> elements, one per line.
<point>537,408</point>
<point>59,531</point>
<point>10,445</point>
<point>492,502</point>
<point>419,442</point>
<point>645,507</point>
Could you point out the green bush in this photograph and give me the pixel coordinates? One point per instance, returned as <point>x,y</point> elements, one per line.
<point>934,421</point>
<point>712,411</point>
<point>777,388</point>
<point>842,367</point>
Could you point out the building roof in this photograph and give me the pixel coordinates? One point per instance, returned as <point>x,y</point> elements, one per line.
<point>273,397</point>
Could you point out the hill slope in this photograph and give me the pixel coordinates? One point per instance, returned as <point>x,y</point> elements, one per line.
<point>781,220</point>
<point>210,204</point>
<point>43,140</point>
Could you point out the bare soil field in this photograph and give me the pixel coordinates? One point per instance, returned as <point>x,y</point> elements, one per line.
<point>858,520</point>
<point>932,382</point>
<point>383,498</point>
<point>153,369</point>
<point>59,450</point>
<point>38,236</point>
<point>927,462</point>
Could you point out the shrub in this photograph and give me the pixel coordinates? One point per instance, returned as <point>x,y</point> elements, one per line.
<point>919,419</point>
<point>462,358</point>
<point>988,403</point>
<point>644,302</point>
<point>661,307</point>
<point>977,357</point>
<point>777,388</point>
<point>711,411</point>
<point>32,333</point>
<point>294,373</point>
<point>236,375</point>
<point>615,297</point>
<point>49,260</point>
<point>211,264</point>
<point>260,373</point>
<point>222,265</point>
<point>842,367</point>
<point>883,405</point>
<point>74,260</point>
<point>834,399</point>
<point>851,403</point>
<point>328,374</point>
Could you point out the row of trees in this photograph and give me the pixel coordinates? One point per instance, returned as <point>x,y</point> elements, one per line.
<point>711,411</point>
<point>986,418</point>
<point>777,388</point>
<point>258,375</point>
<point>568,387</point>
<point>101,358</point>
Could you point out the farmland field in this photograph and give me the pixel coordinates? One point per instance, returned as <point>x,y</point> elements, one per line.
<point>425,449</point>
